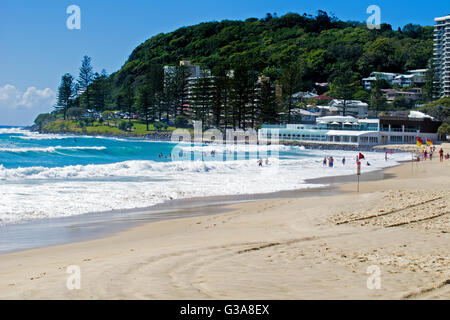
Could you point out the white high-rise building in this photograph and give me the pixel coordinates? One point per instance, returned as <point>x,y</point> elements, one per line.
<point>442,55</point>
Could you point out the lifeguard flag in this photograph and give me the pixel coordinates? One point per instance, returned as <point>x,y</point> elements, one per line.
<point>361,156</point>
<point>419,142</point>
<point>429,142</point>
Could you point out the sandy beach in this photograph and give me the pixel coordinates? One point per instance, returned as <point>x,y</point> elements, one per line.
<point>306,248</point>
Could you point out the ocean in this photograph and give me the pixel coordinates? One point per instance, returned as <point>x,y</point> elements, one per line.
<point>51,176</point>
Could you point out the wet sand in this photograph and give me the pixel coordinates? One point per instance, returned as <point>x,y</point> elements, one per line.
<point>59,231</point>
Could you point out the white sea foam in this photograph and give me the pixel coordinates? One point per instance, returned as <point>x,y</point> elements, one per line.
<point>40,192</point>
<point>48,149</point>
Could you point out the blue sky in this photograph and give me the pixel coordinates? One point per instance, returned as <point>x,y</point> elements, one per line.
<point>37,48</point>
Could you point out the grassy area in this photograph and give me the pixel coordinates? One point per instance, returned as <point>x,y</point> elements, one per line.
<point>96,128</point>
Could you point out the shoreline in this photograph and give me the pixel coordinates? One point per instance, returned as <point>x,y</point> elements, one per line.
<point>93,225</point>
<point>267,249</point>
<point>96,225</point>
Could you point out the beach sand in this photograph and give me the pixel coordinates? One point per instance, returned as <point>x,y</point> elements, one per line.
<point>306,248</point>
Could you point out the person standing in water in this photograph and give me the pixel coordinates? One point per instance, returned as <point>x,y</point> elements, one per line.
<point>260,162</point>
<point>343,161</point>
<point>325,161</point>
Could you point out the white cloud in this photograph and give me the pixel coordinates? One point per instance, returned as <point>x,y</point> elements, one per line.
<point>10,97</point>
<point>21,108</point>
<point>33,97</point>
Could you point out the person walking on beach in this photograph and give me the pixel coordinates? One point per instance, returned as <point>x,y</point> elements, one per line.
<point>343,161</point>
<point>331,162</point>
<point>441,155</point>
<point>325,161</point>
<point>260,162</point>
<point>425,154</point>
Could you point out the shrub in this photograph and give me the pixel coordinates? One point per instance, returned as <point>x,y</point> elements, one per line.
<point>159,126</point>
<point>123,125</point>
<point>181,122</point>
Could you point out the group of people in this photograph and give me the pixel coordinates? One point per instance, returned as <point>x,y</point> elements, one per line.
<point>329,161</point>
<point>161,155</point>
<point>428,154</point>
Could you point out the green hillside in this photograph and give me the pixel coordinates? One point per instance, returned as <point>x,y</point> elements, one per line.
<point>325,44</point>
<point>272,58</point>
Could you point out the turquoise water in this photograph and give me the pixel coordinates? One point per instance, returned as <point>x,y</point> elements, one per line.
<point>49,176</point>
<point>20,150</point>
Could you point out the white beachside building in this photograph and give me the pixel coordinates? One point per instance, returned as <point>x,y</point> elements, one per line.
<point>350,131</point>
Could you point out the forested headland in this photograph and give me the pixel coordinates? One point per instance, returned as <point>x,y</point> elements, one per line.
<point>270,58</point>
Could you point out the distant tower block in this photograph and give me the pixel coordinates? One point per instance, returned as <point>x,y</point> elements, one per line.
<point>442,56</point>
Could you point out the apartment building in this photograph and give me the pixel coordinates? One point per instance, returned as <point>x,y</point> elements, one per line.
<point>442,56</point>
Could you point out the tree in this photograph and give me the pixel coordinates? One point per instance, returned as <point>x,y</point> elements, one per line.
<point>221,92</point>
<point>155,78</point>
<point>267,102</point>
<point>400,103</point>
<point>377,99</point>
<point>129,97</point>
<point>291,81</point>
<point>100,91</point>
<point>429,88</point>
<point>254,89</point>
<point>344,86</point>
<point>85,78</point>
<point>201,97</point>
<point>181,121</point>
<point>444,129</point>
<point>75,113</point>
<point>181,87</point>
<point>66,92</point>
<point>145,103</point>
<point>241,86</point>
<point>108,115</point>
<point>168,94</point>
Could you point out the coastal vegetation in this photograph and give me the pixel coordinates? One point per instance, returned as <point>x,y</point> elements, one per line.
<point>249,71</point>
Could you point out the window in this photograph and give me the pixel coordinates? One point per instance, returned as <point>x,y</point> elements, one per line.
<point>396,139</point>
